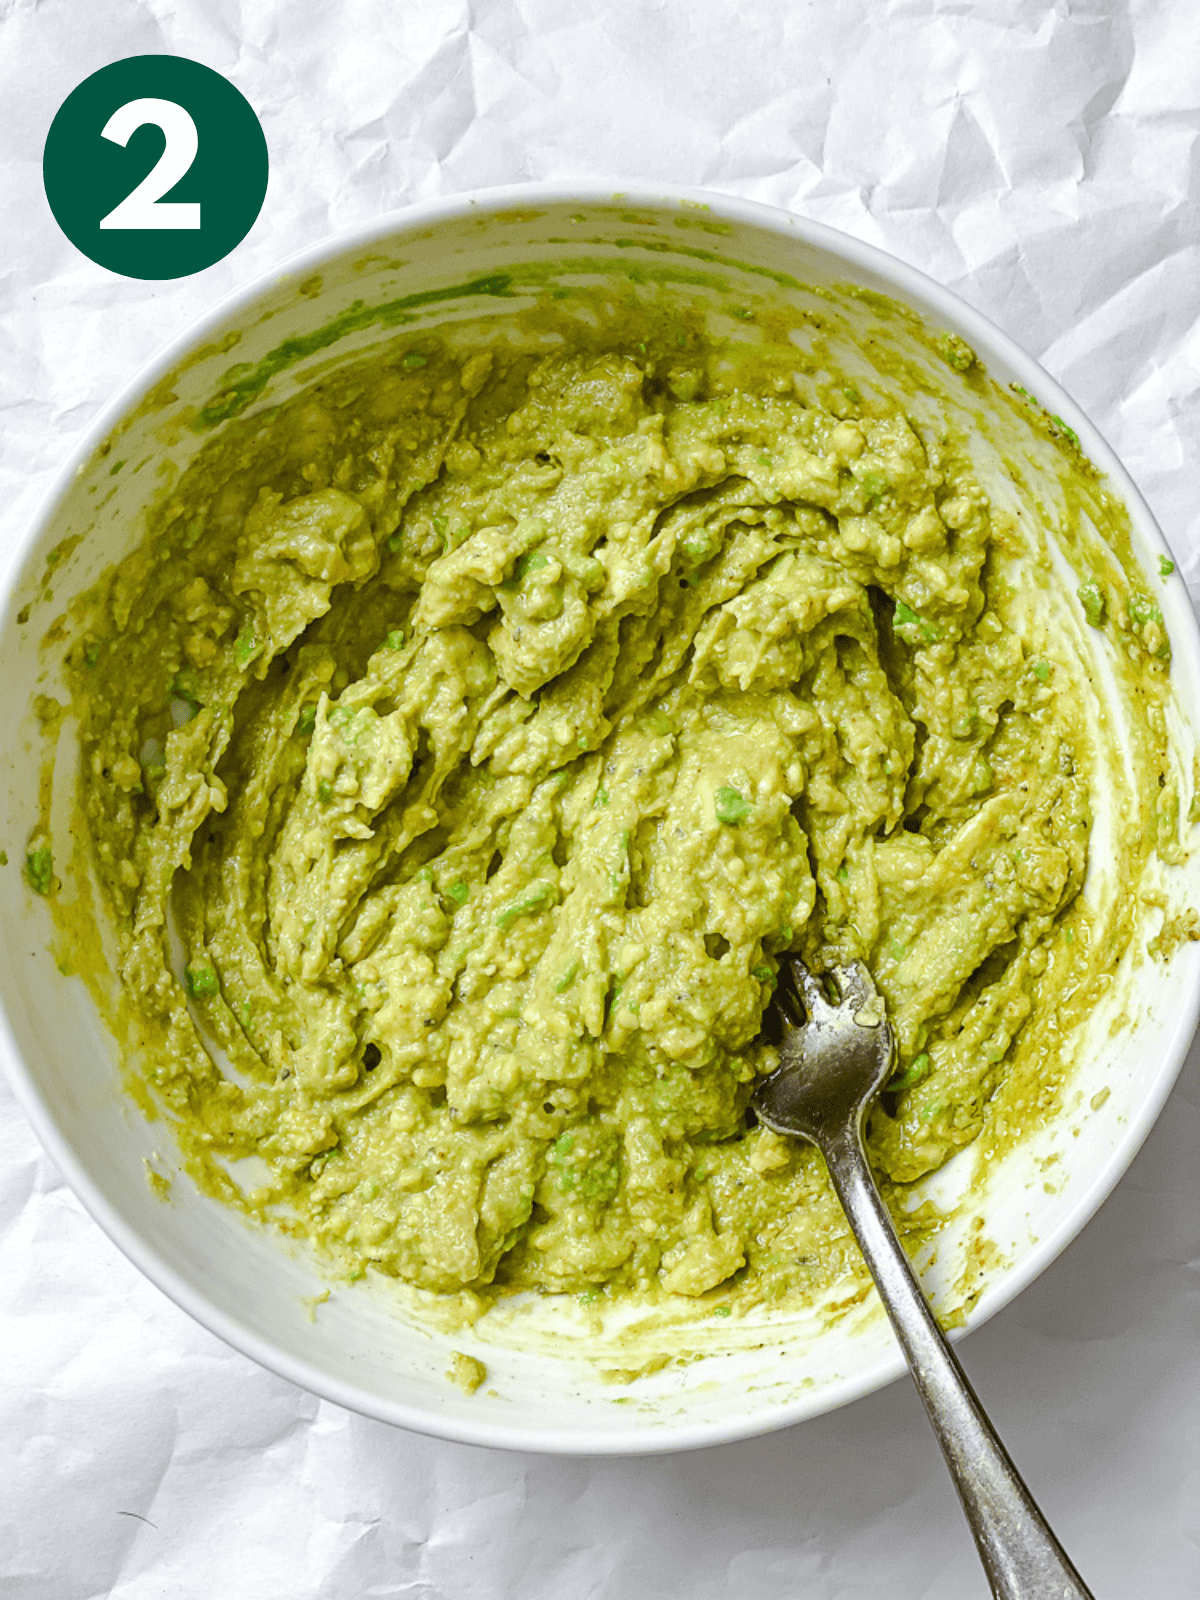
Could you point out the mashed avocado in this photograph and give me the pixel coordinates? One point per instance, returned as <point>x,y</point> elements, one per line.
<point>474,731</point>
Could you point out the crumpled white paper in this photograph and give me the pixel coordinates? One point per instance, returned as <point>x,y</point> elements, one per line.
<point>1043,160</point>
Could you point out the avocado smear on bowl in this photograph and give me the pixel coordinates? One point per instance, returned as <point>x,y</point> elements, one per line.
<point>474,731</point>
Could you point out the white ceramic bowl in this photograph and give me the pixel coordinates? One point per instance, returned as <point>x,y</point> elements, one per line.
<point>367,1348</point>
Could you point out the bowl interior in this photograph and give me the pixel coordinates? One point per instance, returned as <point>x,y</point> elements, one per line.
<point>374,1348</point>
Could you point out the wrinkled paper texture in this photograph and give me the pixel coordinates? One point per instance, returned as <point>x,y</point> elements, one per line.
<point>1043,160</point>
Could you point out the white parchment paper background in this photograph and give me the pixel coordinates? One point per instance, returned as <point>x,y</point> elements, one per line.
<point>1044,161</point>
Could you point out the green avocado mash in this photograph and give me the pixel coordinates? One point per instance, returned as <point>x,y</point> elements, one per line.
<point>472,734</point>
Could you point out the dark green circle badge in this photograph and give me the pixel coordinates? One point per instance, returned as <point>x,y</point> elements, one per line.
<point>155,167</point>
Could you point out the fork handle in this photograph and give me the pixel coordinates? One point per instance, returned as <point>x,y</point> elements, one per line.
<point>1022,1558</point>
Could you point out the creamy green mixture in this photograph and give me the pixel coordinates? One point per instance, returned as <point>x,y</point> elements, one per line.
<point>475,731</point>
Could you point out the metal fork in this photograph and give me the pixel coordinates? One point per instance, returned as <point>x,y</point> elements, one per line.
<point>832,1067</point>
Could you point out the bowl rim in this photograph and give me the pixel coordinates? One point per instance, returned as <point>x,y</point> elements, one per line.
<point>932,300</point>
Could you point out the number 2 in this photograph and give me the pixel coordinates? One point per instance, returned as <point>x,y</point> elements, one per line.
<point>143,207</point>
